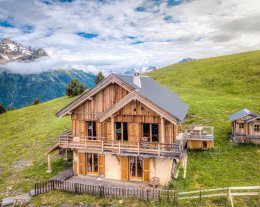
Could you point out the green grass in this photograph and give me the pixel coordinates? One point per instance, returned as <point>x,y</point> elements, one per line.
<point>26,135</point>
<point>214,88</point>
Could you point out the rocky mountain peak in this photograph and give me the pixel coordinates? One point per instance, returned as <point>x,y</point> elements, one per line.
<point>13,51</point>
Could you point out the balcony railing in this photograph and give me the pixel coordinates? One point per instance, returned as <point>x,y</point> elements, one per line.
<point>101,144</point>
<point>243,138</point>
<point>204,133</point>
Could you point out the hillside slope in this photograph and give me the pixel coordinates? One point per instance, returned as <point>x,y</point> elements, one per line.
<point>18,90</point>
<point>214,88</point>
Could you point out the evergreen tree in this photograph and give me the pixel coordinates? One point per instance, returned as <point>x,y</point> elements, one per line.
<point>36,101</point>
<point>2,109</point>
<point>100,77</point>
<point>74,88</point>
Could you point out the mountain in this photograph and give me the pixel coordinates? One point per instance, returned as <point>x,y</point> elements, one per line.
<point>13,51</point>
<point>18,90</point>
<point>186,60</point>
<point>144,69</point>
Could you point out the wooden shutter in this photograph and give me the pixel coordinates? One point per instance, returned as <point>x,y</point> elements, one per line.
<point>101,164</point>
<point>146,169</point>
<point>124,168</point>
<point>82,163</point>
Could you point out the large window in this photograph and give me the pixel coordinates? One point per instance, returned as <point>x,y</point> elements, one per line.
<point>121,131</point>
<point>92,130</point>
<point>92,160</point>
<point>257,128</point>
<point>151,131</point>
<point>136,167</point>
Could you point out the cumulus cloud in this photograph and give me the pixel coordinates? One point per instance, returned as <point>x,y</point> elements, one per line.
<point>115,35</point>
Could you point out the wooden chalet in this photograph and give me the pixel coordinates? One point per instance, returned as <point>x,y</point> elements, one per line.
<point>125,128</point>
<point>245,127</point>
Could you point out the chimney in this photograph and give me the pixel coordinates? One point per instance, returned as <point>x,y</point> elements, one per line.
<point>137,80</point>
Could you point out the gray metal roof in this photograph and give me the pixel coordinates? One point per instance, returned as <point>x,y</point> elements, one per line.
<point>239,114</point>
<point>159,95</point>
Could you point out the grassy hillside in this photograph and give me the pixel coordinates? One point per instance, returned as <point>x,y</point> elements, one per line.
<point>214,88</point>
<point>25,136</point>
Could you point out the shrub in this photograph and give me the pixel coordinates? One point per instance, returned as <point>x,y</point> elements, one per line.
<point>74,88</point>
<point>100,77</point>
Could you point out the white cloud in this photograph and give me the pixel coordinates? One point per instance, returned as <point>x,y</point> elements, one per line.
<point>197,29</point>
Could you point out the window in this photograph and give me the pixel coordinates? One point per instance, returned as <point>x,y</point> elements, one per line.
<point>257,127</point>
<point>241,126</point>
<point>151,131</point>
<point>92,163</point>
<point>121,131</point>
<point>92,129</point>
<point>205,145</point>
<point>136,167</point>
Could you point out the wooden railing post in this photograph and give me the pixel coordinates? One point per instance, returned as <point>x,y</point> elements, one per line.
<point>119,147</point>
<point>138,145</point>
<point>102,145</point>
<point>159,150</point>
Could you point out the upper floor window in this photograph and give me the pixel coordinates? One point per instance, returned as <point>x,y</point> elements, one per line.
<point>121,131</point>
<point>151,131</point>
<point>241,126</point>
<point>92,129</point>
<point>257,127</point>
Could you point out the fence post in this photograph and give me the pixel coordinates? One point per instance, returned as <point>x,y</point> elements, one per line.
<point>200,198</point>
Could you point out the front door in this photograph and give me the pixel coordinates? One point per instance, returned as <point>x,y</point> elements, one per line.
<point>136,168</point>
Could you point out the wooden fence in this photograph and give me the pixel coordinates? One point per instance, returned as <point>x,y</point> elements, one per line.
<point>105,191</point>
<point>145,193</point>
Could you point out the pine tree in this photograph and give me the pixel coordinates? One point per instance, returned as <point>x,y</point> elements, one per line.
<point>74,88</point>
<point>100,77</point>
<point>2,109</point>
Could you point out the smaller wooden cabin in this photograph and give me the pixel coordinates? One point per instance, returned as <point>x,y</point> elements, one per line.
<point>245,127</point>
<point>200,137</point>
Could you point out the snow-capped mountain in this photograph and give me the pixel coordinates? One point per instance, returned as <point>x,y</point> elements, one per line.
<point>13,51</point>
<point>186,60</point>
<point>143,69</point>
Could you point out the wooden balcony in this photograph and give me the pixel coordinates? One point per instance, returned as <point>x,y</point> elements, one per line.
<point>244,138</point>
<point>203,133</point>
<point>103,145</point>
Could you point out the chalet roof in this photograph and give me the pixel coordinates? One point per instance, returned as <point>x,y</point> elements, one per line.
<point>159,95</point>
<point>146,87</point>
<point>240,114</point>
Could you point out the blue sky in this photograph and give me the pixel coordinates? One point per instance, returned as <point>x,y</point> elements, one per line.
<point>116,35</point>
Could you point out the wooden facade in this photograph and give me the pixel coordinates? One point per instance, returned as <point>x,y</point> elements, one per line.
<point>120,134</point>
<point>199,137</point>
<point>246,129</point>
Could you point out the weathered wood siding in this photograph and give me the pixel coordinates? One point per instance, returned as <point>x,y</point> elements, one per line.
<point>134,113</point>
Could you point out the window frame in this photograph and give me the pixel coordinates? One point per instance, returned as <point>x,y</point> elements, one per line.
<point>93,129</point>
<point>151,136</point>
<point>123,131</point>
<point>257,127</point>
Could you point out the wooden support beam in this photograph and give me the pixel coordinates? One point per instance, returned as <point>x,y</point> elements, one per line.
<point>112,129</point>
<point>162,130</point>
<point>49,163</point>
<point>66,154</point>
